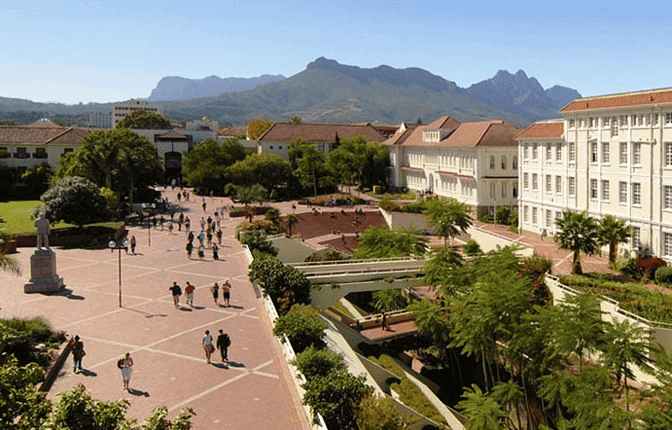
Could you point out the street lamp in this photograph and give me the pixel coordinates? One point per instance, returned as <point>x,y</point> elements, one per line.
<point>151,206</point>
<point>123,245</point>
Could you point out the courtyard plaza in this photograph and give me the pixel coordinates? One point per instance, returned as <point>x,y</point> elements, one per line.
<point>254,390</point>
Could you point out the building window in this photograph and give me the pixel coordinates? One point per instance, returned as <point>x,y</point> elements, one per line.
<point>623,121</point>
<point>526,152</point>
<point>534,216</point>
<point>493,189</point>
<point>623,192</point>
<point>572,123</point>
<point>668,117</point>
<point>636,238</point>
<point>571,186</point>
<point>593,188</point>
<point>4,152</point>
<point>668,196</point>
<point>593,152</point>
<point>549,184</point>
<point>40,153</point>
<point>526,181</point>
<point>605,152</point>
<point>614,127</point>
<point>623,152</point>
<point>605,122</point>
<point>534,151</point>
<point>535,182</point>
<point>572,152</point>
<point>668,154</point>
<point>503,162</point>
<point>558,152</point>
<point>668,243</point>
<point>654,119</point>
<point>605,191</point>
<point>492,162</point>
<point>636,153</point>
<point>514,162</point>
<point>503,190</point>
<point>526,213</point>
<point>636,193</point>
<point>21,152</point>
<point>514,190</point>
<point>549,218</point>
<point>549,153</point>
<point>558,184</point>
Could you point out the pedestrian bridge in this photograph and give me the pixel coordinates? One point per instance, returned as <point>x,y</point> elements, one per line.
<point>333,280</point>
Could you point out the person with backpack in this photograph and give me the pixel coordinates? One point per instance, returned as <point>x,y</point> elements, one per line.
<point>126,365</point>
<point>223,343</point>
<point>176,290</point>
<point>77,348</point>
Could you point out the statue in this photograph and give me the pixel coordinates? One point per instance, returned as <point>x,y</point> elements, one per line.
<point>43,231</point>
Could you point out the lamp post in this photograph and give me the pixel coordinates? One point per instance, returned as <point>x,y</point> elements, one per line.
<point>123,245</point>
<point>151,206</point>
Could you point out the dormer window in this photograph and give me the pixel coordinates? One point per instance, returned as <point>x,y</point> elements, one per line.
<point>431,135</point>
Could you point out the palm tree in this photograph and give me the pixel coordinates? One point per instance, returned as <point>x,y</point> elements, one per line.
<point>7,263</point>
<point>291,220</point>
<point>612,231</point>
<point>449,218</point>
<point>577,232</point>
<point>100,153</point>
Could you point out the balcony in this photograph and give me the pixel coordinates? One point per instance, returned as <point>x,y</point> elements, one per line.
<point>22,155</point>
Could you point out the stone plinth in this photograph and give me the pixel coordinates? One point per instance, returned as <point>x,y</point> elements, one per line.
<point>43,276</point>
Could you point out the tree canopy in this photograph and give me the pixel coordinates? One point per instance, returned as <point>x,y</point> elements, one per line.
<point>379,242</point>
<point>206,164</point>
<point>448,217</point>
<point>144,120</point>
<point>257,126</point>
<point>577,232</point>
<point>75,200</point>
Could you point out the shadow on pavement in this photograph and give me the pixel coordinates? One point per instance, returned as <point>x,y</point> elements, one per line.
<point>236,364</point>
<point>135,392</point>
<point>67,293</point>
<point>184,309</point>
<point>220,365</point>
<point>146,314</point>
<point>87,372</point>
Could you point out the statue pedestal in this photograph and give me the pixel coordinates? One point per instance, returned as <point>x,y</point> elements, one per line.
<point>43,276</point>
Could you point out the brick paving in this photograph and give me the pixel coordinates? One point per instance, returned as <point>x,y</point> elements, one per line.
<point>254,391</point>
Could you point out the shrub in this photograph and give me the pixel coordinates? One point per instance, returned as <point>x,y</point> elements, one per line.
<point>337,398</point>
<point>503,215</point>
<point>664,275</point>
<point>378,413</point>
<point>256,241</point>
<point>22,335</point>
<point>416,207</point>
<point>302,327</point>
<point>284,284</point>
<point>648,266</point>
<point>389,205</point>
<point>314,362</point>
<point>75,200</point>
<point>535,268</point>
<point>471,248</point>
<point>327,254</point>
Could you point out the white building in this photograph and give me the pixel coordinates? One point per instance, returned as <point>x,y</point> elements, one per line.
<point>120,110</point>
<point>614,157</point>
<point>475,163</point>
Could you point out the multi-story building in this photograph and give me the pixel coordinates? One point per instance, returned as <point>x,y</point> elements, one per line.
<point>100,119</point>
<point>613,156</point>
<point>474,162</point>
<point>120,110</point>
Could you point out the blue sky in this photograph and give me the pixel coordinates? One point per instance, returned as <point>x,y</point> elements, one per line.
<point>104,51</point>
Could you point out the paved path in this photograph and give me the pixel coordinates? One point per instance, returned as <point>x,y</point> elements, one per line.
<point>254,392</point>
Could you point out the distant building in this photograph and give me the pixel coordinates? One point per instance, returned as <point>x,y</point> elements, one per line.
<point>474,162</point>
<point>279,136</point>
<point>609,155</point>
<point>100,119</point>
<point>119,111</point>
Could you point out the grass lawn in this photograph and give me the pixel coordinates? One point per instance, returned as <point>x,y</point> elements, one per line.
<point>18,221</point>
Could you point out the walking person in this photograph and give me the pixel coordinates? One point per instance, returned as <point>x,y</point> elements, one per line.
<point>78,353</point>
<point>208,347</point>
<point>226,292</point>
<point>170,226</point>
<point>201,237</point>
<point>219,236</point>
<point>133,243</point>
<point>187,223</point>
<point>189,291</point>
<point>215,252</point>
<point>223,343</point>
<point>209,237</point>
<point>126,365</point>
<point>180,221</point>
<point>204,205</point>
<point>190,249</point>
<point>218,218</point>
<point>215,292</point>
<point>202,223</point>
<point>201,251</point>
<point>176,290</point>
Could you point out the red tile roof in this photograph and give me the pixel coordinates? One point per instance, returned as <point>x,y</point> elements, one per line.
<point>641,98</point>
<point>41,134</point>
<point>319,133</point>
<point>543,130</point>
<point>459,135</point>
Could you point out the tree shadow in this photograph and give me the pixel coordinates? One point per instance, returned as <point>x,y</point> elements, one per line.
<point>138,393</point>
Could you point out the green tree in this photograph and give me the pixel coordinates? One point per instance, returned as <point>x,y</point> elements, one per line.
<point>448,218</point>
<point>257,126</point>
<point>509,395</point>
<point>482,410</point>
<point>302,326</point>
<point>206,164</point>
<point>578,233</point>
<point>379,242</point>
<point>612,231</point>
<point>37,179</point>
<point>337,398</point>
<point>75,200</point>
<point>22,407</point>
<point>138,159</point>
<point>144,120</point>
<point>99,155</point>
<point>388,300</point>
<point>256,240</point>
<point>291,220</point>
<point>315,362</point>
<point>296,120</point>
<point>268,170</point>
<point>381,413</point>
<point>286,285</point>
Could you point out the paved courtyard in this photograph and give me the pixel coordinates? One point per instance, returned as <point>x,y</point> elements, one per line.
<point>253,392</point>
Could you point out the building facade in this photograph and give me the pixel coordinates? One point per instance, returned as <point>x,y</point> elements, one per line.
<point>120,110</point>
<point>475,163</point>
<point>614,158</point>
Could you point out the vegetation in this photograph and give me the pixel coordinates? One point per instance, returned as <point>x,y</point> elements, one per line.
<point>206,164</point>
<point>356,161</point>
<point>284,284</point>
<point>144,120</point>
<point>612,231</point>
<point>379,242</point>
<point>471,248</point>
<point>578,233</point>
<point>315,362</point>
<point>449,218</point>
<point>256,127</point>
<point>37,179</point>
<point>21,336</point>
<point>75,200</point>
<point>302,327</point>
<point>381,413</point>
<point>256,241</point>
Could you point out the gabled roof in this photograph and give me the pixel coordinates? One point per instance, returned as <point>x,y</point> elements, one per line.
<point>71,136</point>
<point>400,136</point>
<point>640,98</point>
<point>44,123</point>
<point>461,135</point>
<point>172,134</point>
<point>543,130</point>
<point>319,133</point>
<point>41,134</point>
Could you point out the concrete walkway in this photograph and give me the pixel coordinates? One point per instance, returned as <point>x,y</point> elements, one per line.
<point>253,392</point>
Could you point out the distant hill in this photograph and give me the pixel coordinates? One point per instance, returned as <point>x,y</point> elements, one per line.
<point>522,95</point>
<point>179,88</point>
<point>330,92</point>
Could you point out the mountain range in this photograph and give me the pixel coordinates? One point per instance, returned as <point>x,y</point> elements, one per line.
<point>330,92</point>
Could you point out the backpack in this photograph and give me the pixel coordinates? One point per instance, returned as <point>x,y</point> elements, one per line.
<point>120,363</point>
<point>227,340</point>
